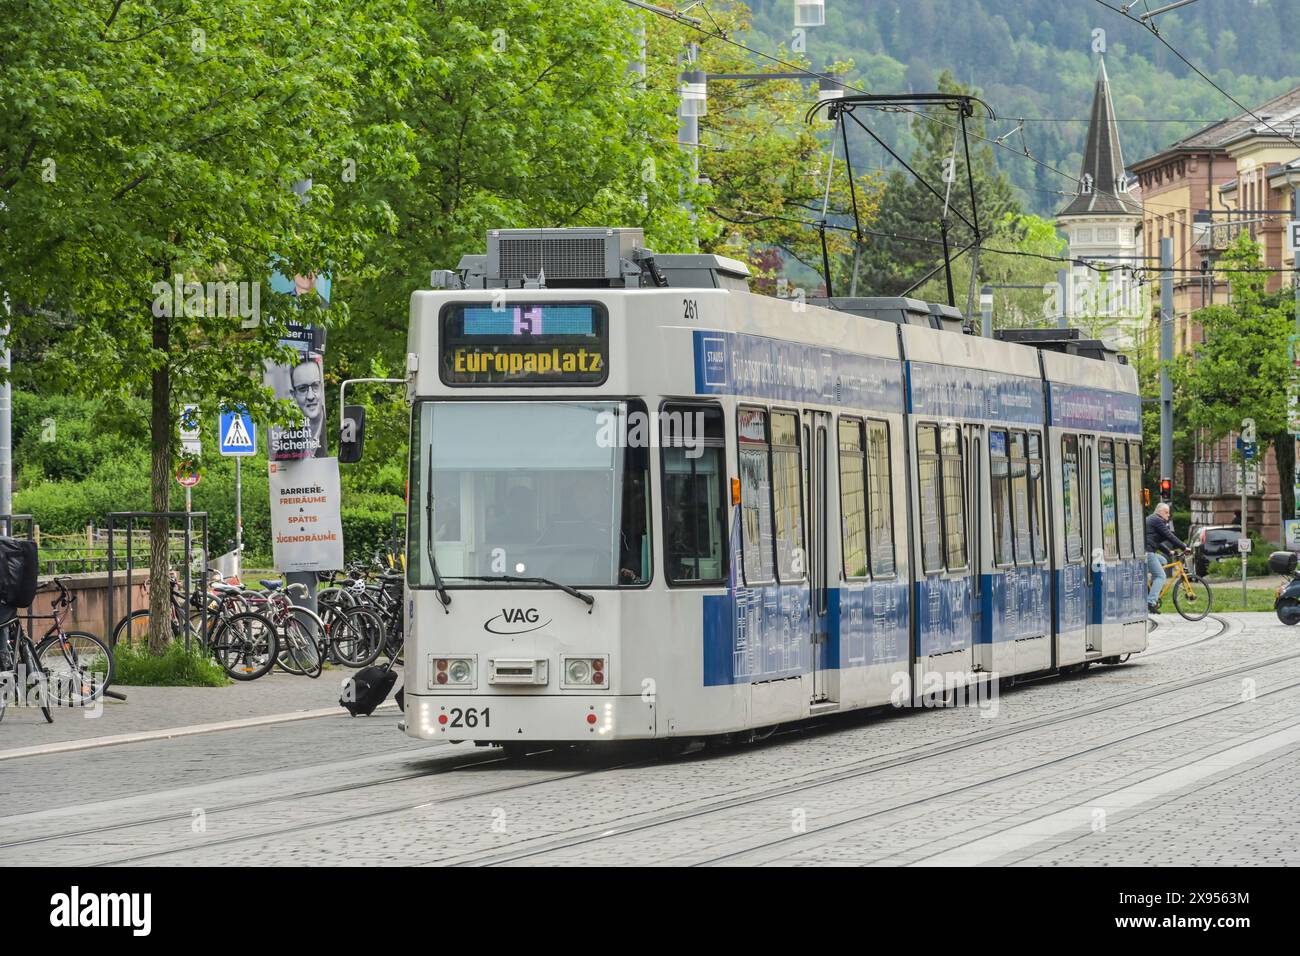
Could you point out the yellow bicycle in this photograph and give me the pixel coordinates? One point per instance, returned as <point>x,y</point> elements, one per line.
<point>1192,596</point>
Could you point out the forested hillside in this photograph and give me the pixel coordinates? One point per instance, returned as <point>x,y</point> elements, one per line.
<point>1034,59</point>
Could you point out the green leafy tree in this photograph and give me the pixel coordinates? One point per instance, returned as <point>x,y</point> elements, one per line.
<point>765,167</point>
<point>1242,368</point>
<point>144,142</point>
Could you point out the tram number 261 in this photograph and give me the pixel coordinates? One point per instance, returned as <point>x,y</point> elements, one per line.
<point>469,717</point>
<point>690,310</point>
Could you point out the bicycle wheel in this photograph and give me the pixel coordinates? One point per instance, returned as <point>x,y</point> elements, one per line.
<point>79,667</point>
<point>245,645</point>
<point>34,672</point>
<point>1192,598</point>
<point>358,636</point>
<point>133,629</point>
<point>305,636</point>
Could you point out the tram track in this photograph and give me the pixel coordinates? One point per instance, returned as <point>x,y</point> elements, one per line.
<point>999,779</point>
<point>877,763</point>
<point>611,830</point>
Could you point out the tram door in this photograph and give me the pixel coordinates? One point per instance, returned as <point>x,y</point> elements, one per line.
<point>816,432</point>
<point>975,498</point>
<point>1091,510</point>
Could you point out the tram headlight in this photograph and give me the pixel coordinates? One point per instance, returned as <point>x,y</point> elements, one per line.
<point>577,671</point>
<point>459,672</point>
<point>591,673</point>
<point>448,672</point>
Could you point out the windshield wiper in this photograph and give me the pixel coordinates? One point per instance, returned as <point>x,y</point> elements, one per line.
<point>586,599</point>
<point>443,596</point>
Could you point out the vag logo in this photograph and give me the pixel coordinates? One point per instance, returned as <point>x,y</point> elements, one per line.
<point>515,620</point>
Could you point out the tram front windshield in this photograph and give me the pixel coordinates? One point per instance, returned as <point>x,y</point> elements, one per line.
<point>529,489</point>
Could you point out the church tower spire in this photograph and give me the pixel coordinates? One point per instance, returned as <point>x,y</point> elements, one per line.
<point>1102,188</point>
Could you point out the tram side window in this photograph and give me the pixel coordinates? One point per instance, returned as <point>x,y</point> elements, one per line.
<point>755,494</point>
<point>853,498</point>
<point>1000,499</point>
<point>954,497</point>
<point>1135,489</point>
<point>927,472</point>
<point>787,491</point>
<point>694,465</point>
<point>1037,495</point>
<point>1020,498</point>
<point>880,476</point>
<point>1109,538</point>
<point>1072,498</point>
<point>1123,522</point>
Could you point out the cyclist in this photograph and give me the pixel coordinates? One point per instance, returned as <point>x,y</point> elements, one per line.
<point>1159,536</point>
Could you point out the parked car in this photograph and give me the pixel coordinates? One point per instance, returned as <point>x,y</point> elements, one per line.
<point>1212,542</point>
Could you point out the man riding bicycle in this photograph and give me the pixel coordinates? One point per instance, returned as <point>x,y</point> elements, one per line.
<point>1159,537</point>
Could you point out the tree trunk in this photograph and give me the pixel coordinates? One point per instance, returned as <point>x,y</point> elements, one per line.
<point>1284,446</point>
<point>160,477</point>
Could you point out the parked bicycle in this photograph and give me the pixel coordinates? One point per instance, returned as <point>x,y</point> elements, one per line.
<point>235,634</point>
<point>67,668</point>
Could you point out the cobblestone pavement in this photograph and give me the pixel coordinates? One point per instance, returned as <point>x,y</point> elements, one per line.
<point>1185,755</point>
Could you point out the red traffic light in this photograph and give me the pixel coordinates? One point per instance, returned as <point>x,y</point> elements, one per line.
<point>1166,489</point>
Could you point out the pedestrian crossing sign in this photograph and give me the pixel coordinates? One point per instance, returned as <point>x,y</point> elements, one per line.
<point>237,434</point>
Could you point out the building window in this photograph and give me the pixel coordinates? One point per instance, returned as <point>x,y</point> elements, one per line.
<point>1084,235</point>
<point>1106,235</point>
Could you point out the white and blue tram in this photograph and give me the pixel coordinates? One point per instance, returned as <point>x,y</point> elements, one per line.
<point>647,503</point>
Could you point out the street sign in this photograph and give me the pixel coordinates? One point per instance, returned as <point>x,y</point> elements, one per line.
<point>1293,236</point>
<point>188,475</point>
<point>1243,546</point>
<point>236,433</point>
<point>1247,449</point>
<point>190,430</point>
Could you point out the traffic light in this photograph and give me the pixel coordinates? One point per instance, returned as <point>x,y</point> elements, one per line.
<point>1166,489</point>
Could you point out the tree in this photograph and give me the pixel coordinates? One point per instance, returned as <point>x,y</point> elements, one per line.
<point>765,166</point>
<point>1242,369</point>
<point>146,146</point>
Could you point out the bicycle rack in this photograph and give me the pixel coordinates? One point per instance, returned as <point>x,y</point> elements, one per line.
<point>116,519</point>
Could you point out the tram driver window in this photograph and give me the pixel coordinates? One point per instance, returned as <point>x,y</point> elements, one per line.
<point>754,456</point>
<point>694,463</point>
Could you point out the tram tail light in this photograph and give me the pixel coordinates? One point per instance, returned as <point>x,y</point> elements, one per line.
<point>588,672</point>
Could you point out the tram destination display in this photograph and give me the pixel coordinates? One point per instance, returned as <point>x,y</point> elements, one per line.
<point>529,343</point>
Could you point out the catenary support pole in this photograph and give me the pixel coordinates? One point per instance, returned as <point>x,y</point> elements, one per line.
<point>1167,356</point>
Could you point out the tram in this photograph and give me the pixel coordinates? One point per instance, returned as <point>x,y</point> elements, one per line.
<point>648,503</point>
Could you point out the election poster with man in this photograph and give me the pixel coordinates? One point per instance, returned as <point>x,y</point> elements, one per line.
<point>302,382</point>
